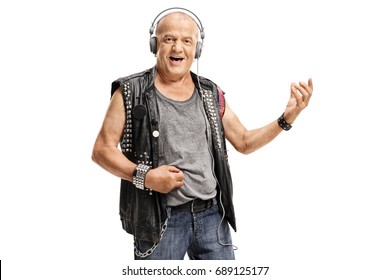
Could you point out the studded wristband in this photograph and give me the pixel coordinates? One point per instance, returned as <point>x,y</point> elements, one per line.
<point>283,123</point>
<point>139,175</point>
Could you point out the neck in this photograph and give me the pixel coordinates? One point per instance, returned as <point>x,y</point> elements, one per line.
<point>179,89</point>
<point>171,78</point>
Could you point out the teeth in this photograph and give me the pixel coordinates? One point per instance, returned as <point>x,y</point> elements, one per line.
<point>176,58</point>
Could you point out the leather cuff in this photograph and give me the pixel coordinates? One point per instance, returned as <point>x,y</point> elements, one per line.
<point>283,123</point>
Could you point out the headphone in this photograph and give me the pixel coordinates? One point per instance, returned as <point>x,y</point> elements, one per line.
<point>153,39</point>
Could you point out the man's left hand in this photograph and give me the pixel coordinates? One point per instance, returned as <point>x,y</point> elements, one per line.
<point>300,95</point>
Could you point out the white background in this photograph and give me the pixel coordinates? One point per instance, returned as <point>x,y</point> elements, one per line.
<point>313,204</point>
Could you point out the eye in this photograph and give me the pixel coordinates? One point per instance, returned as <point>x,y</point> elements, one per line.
<point>188,42</point>
<point>168,39</point>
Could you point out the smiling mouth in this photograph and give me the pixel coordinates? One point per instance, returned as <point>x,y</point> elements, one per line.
<point>175,58</point>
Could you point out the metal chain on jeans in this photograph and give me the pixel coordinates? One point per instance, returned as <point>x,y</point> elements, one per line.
<point>150,251</point>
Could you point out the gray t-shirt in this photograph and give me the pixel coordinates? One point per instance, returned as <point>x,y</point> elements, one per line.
<point>185,142</point>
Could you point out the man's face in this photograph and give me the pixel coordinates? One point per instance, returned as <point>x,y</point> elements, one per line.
<point>177,35</point>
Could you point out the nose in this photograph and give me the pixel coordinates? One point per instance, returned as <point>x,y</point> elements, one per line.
<point>177,46</point>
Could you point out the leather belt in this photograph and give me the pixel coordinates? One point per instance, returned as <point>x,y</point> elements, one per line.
<point>195,205</point>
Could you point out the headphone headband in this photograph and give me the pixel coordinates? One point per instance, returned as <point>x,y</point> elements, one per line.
<point>186,11</point>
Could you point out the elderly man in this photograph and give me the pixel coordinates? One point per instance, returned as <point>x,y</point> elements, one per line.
<point>176,188</point>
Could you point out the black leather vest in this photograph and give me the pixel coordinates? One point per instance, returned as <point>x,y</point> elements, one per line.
<point>143,213</point>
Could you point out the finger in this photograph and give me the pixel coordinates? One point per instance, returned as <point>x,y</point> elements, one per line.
<point>310,82</point>
<point>305,90</point>
<point>179,183</point>
<point>305,95</point>
<point>295,92</point>
<point>297,97</point>
<point>174,169</point>
<point>306,87</point>
<point>179,176</point>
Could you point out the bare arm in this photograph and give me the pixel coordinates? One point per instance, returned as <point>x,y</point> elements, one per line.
<point>248,141</point>
<point>105,151</point>
<point>108,156</point>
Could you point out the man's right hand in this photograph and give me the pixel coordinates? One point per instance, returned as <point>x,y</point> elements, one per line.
<point>164,179</point>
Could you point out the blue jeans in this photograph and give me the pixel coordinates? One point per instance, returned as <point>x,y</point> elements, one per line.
<point>201,235</point>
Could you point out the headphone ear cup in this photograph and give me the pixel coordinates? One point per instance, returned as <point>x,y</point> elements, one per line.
<point>198,51</point>
<point>153,44</point>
